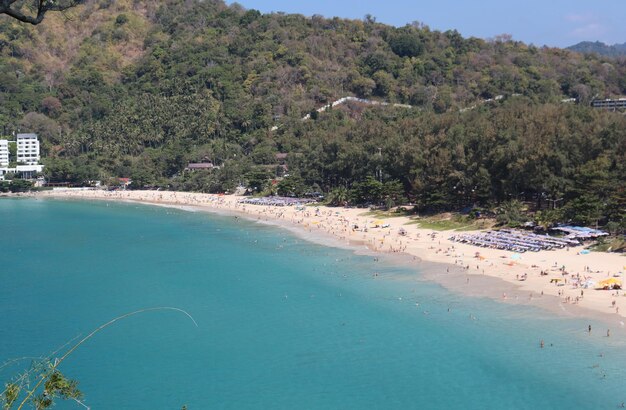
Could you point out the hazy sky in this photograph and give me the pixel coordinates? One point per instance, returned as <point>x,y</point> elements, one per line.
<point>542,22</point>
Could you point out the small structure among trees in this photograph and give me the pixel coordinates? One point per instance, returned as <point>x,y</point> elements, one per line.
<point>194,166</point>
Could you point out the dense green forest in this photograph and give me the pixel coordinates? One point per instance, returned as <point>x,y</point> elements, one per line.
<point>141,88</point>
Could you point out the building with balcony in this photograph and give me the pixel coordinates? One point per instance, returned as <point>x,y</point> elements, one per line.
<point>4,153</point>
<point>27,157</point>
<point>610,104</point>
<point>27,149</point>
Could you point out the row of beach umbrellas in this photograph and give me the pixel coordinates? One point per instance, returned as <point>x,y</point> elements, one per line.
<point>513,240</point>
<point>276,201</point>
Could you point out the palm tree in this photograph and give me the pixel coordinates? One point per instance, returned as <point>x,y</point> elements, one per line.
<point>338,196</point>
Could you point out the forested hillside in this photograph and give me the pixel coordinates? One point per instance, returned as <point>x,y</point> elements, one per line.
<point>141,88</point>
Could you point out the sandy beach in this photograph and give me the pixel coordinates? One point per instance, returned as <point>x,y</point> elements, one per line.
<point>460,266</point>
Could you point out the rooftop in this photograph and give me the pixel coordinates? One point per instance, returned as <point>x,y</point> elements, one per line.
<point>200,165</point>
<point>26,136</point>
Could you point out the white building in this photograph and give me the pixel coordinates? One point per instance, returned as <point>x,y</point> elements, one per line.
<point>4,153</point>
<point>24,171</point>
<point>27,149</point>
<point>27,157</point>
<point>29,171</point>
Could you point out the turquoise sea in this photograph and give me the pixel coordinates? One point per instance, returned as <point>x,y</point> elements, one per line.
<point>282,323</point>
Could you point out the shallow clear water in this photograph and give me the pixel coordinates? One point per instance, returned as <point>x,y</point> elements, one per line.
<point>282,323</point>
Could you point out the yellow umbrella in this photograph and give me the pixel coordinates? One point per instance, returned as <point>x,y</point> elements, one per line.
<point>610,281</point>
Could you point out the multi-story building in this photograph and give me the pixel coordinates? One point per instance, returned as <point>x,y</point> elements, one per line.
<point>610,103</point>
<point>27,149</point>
<point>27,157</point>
<point>4,153</point>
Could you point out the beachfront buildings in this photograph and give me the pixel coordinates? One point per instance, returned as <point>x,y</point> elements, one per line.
<point>4,153</point>
<point>27,149</point>
<point>27,157</point>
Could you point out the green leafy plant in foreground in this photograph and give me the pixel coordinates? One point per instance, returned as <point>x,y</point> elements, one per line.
<point>48,382</point>
<point>56,385</point>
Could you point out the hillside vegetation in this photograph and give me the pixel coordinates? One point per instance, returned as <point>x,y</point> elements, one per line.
<point>141,88</point>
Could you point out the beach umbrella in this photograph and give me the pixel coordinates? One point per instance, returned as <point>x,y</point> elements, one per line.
<point>379,222</point>
<point>610,281</point>
<point>585,252</point>
<point>516,256</point>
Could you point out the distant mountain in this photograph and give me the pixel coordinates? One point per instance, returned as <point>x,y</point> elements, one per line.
<point>600,48</point>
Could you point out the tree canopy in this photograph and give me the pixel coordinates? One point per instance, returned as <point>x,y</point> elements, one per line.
<point>141,89</point>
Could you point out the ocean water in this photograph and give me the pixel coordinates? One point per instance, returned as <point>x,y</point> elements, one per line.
<point>282,323</point>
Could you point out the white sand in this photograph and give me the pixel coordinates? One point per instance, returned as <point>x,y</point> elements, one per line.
<point>424,244</point>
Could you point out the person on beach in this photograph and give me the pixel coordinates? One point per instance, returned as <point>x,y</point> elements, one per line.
<point>342,224</point>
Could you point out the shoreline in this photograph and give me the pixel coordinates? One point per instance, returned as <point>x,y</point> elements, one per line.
<point>492,276</point>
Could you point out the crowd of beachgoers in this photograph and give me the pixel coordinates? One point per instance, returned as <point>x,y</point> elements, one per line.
<point>561,271</point>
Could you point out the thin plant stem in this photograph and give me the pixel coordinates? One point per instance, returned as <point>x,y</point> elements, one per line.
<point>23,376</point>
<point>92,334</point>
